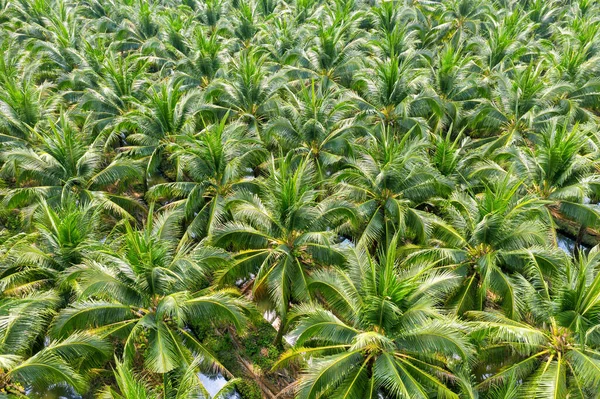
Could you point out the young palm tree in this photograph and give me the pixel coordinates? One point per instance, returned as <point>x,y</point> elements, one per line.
<point>380,333</point>
<point>458,88</point>
<point>281,233</point>
<point>513,105</point>
<point>202,66</point>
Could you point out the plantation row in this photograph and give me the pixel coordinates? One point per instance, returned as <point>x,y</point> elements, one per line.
<point>306,198</point>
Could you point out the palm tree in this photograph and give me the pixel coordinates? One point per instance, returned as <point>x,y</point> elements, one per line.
<point>558,170</point>
<point>514,103</point>
<point>149,292</point>
<point>486,240</point>
<point>168,113</point>
<point>120,85</point>
<point>397,94</point>
<point>28,361</point>
<point>551,349</point>
<point>461,18</point>
<point>281,233</point>
<point>506,37</point>
<point>23,103</point>
<point>63,164</point>
<point>390,179</point>
<point>64,238</point>
<point>137,26</point>
<point>188,386</point>
<point>203,64</point>
<point>247,92</point>
<point>213,163</point>
<point>380,332</point>
<point>316,123</point>
<point>458,88</point>
<point>333,53</point>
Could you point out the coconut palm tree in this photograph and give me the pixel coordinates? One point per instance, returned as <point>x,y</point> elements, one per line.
<point>213,163</point>
<point>28,360</point>
<point>316,124</point>
<point>380,332</point>
<point>202,65</point>
<point>63,164</point>
<point>552,349</point>
<point>247,92</point>
<point>333,53</point>
<point>64,237</point>
<point>23,103</point>
<point>492,236</point>
<point>281,233</point>
<point>168,113</point>
<point>150,292</point>
<point>390,179</point>
<point>397,94</point>
<point>558,170</point>
<point>120,85</point>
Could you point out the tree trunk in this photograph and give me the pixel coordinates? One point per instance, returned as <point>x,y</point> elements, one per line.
<point>580,235</point>
<point>278,341</point>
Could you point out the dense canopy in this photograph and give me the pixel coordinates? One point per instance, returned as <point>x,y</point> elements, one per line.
<point>335,199</point>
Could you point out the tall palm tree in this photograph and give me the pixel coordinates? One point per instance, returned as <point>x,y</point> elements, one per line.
<point>213,163</point>
<point>379,333</point>
<point>63,164</point>
<point>552,351</point>
<point>281,234</point>
<point>28,361</point>
<point>390,179</point>
<point>150,293</point>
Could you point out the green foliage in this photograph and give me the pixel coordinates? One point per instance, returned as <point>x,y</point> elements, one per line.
<point>258,345</point>
<point>386,181</point>
<point>248,390</point>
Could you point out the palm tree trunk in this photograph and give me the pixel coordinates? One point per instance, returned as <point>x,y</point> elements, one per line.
<point>278,341</point>
<point>578,241</point>
<point>165,385</point>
